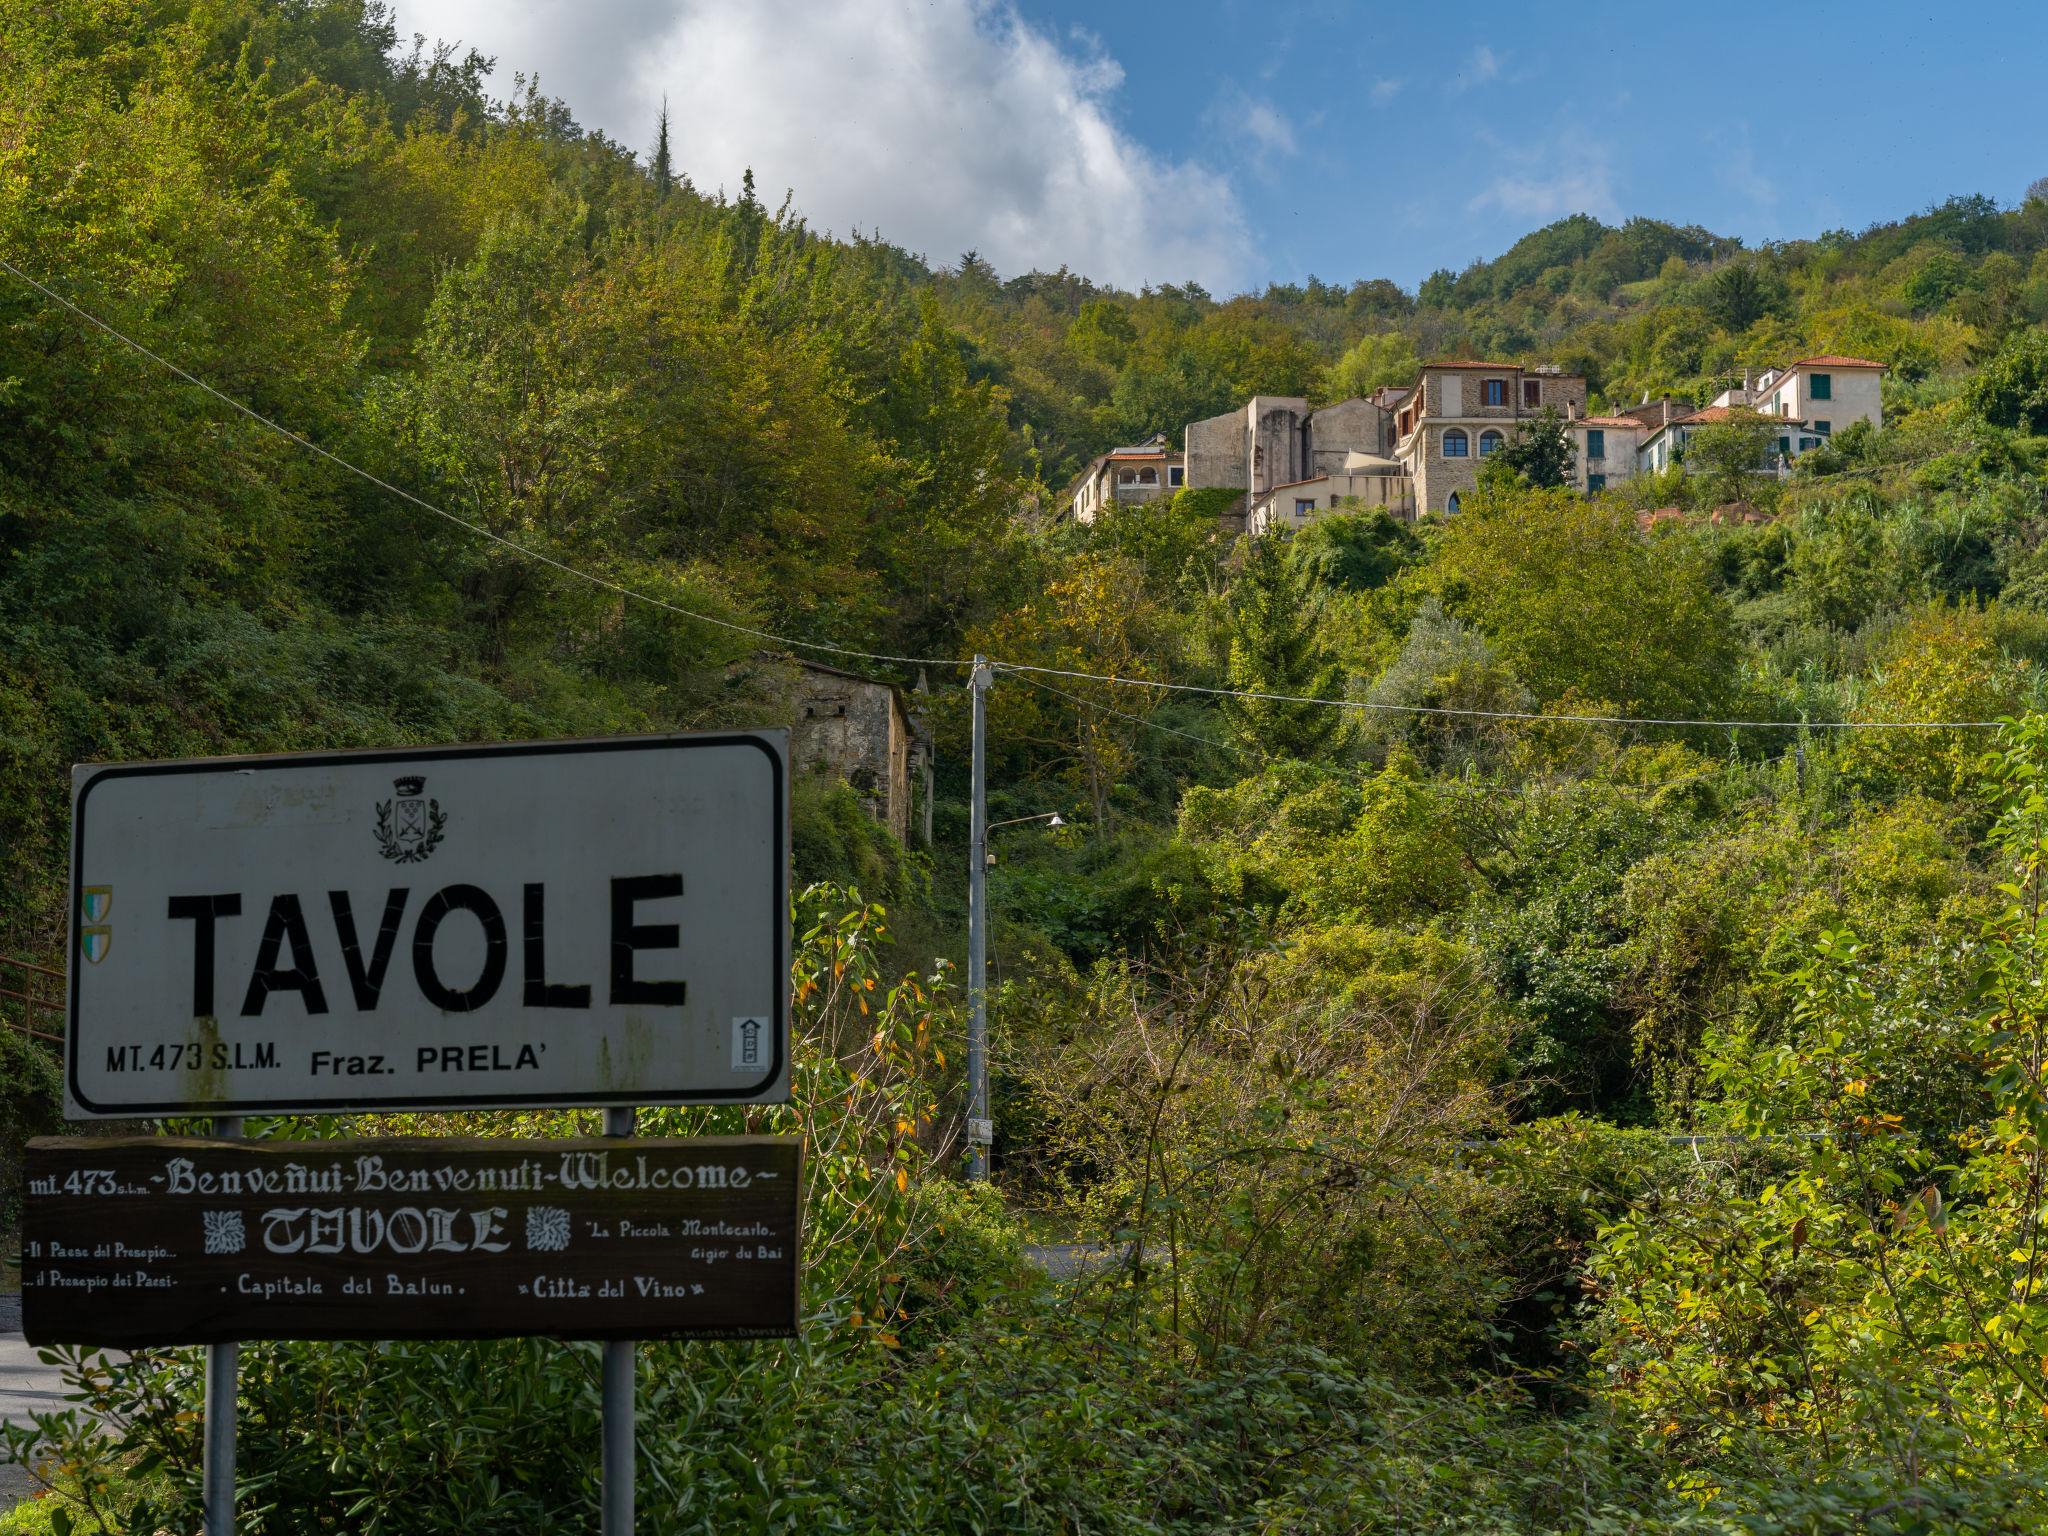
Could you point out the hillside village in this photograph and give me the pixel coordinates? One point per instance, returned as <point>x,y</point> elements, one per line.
<point>1417,451</point>
<point>1496,990</point>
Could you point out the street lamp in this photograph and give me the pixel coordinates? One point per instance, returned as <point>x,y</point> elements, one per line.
<point>1050,818</point>
<point>980,1129</point>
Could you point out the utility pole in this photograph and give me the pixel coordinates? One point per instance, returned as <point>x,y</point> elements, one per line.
<point>979,1131</point>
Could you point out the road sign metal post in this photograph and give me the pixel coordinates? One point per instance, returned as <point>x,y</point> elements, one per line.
<point>609,921</point>
<point>620,1356</point>
<point>977,934</point>
<point>223,1370</point>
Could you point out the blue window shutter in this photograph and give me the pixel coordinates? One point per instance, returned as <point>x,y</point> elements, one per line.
<point>1596,443</point>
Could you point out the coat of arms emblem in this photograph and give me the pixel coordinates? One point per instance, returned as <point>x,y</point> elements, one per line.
<point>409,826</point>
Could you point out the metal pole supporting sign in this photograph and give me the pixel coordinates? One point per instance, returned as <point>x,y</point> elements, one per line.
<point>223,1362</point>
<point>619,1361</point>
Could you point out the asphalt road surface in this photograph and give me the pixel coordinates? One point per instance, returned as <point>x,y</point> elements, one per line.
<point>26,1386</point>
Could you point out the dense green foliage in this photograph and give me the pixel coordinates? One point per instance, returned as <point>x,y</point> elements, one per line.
<point>1498,1109</point>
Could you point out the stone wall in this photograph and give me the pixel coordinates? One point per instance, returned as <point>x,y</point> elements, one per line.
<point>855,729</point>
<point>1215,451</point>
<point>1276,438</point>
<point>1564,393</point>
<point>1349,426</point>
<point>1436,477</point>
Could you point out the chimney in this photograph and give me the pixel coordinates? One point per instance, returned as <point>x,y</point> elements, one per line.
<point>1748,384</point>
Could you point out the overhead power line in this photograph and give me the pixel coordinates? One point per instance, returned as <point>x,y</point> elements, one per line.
<point>1074,698</point>
<point>1504,714</point>
<point>1021,668</point>
<point>479,529</point>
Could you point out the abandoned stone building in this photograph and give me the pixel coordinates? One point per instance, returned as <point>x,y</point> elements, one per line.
<point>864,732</point>
<point>1276,440</point>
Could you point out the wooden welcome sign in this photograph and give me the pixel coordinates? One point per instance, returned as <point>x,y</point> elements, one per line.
<point>140,1241</point>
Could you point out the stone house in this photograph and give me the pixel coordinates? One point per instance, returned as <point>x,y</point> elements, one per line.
<point>864,732</point>
<point>1126,476</point>
<point>1462,411</point>
<point>1276,440</point>
<point>1603,450</point>
<point>1666,445</point>
<point>1367,479</point>
<point>1812,398</point>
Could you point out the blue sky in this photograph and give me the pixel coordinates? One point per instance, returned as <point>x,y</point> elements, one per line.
<point>1241,143</point>
<point>1376,140</point>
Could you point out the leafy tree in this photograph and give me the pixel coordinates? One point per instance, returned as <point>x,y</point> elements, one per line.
<point>1540,453</point>
<point>1939,276</point>
<point>1576,602</point>
<point>1742,293</point>
<point>1354,551</point>
<point>1276,647</point>
<point>1730,459</point>
<point>1372,361</point>
<point>2011,390</point>
<point>1102,332</point>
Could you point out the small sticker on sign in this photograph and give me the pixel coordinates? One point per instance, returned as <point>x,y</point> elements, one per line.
<point>750,1045</point>
<point>980,1132</point>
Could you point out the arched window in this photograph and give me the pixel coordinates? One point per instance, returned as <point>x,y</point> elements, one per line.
<point>1451,506</point>
<point>1455,443</point>
<point>1489,442</point>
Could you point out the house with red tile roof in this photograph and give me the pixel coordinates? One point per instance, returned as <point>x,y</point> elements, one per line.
<point>1813,398</point>
<point>1138,473</point>
<point>1604,450</point>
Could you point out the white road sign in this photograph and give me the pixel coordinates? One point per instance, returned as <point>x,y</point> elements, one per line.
<point>572,922</point>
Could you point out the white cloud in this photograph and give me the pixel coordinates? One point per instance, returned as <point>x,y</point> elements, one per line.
<point>1269,129</point>
<point>1541,197</point>
<point>1568,171</point>
<point>1736,168</point>
<point>942,125</point>
<point>1484,65</point>
<point>1384,91</point>
<point>1249,130</point>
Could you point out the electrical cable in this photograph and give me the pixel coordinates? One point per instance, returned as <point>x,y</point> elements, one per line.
<point>1227,746</point>
<point>462,522</point>
<point>1504,714</point>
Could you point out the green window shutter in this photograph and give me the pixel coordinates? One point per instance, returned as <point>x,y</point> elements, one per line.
<point>1821,386</point>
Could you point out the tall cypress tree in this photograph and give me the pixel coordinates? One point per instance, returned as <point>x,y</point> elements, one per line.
<point>1276,647</point>
<point>663,165</point>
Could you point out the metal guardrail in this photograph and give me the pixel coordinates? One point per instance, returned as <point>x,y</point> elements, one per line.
<point>29,998</point>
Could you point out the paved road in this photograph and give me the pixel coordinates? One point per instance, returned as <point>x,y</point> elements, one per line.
<point>26,1386</point>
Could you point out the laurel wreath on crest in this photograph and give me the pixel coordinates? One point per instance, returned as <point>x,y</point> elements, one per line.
<point>393,849</point>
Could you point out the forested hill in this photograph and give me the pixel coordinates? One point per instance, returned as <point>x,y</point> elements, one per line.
<point>1542,1008</point>
<point>1645,308</point>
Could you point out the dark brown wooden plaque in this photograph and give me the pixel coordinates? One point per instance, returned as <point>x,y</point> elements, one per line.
<point>137,1241</point>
